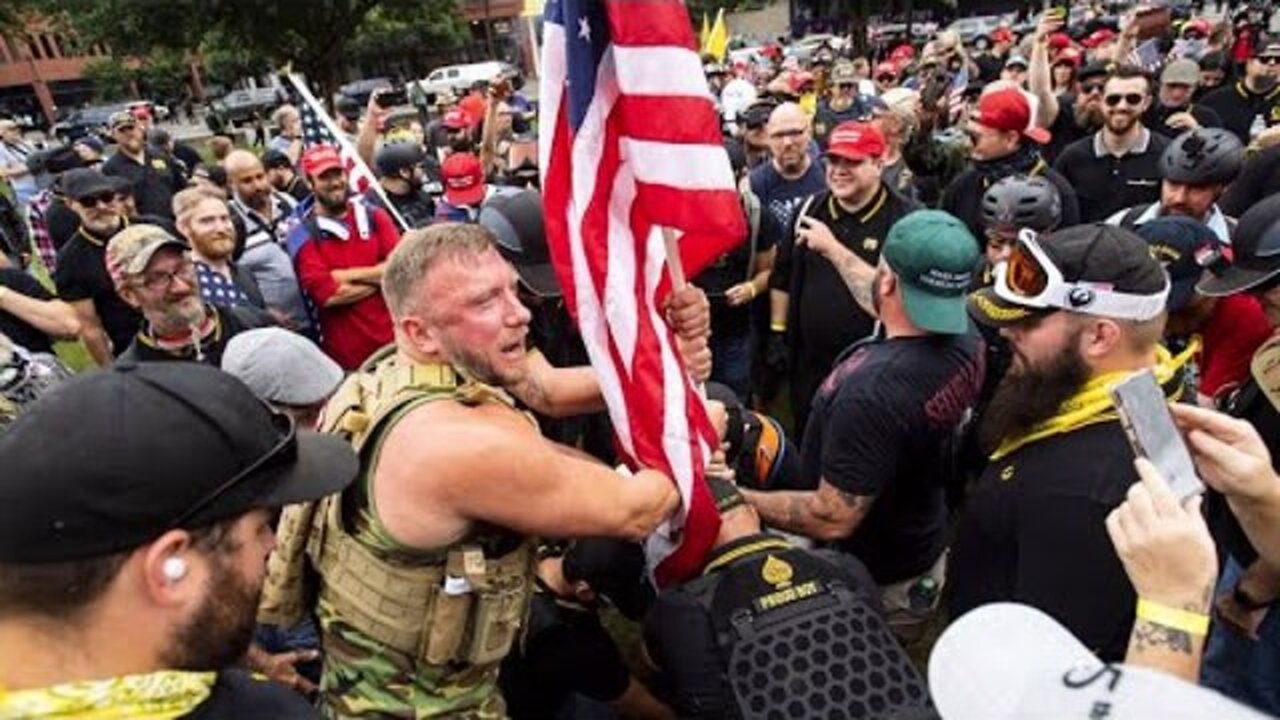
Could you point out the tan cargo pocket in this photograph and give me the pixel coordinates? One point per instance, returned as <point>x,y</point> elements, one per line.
<point>449,615</point>
<point>499,610</point>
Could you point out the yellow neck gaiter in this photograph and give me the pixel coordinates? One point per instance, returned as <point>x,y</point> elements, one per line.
<point>153,696</point>
<point>1092,404</point>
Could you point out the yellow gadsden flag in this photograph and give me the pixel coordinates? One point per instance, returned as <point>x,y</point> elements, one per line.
<point>705,34</point>
<point>717,42</point>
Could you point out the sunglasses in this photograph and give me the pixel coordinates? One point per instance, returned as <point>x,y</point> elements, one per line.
<point>1271,60</point>
<point>845,86</point>
<point>92,201</point>
<point>886,78</point>
<point>1131,99</point>
<point>786,134</point>
<point>1091,88</point>
<point>285,451</point>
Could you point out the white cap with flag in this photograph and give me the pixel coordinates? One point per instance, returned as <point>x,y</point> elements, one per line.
<point>1007,661</point>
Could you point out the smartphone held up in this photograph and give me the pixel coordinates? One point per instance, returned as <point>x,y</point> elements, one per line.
<point>1144,414</point>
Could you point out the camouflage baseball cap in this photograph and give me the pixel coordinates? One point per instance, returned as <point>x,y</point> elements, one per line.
<point>131,249</point>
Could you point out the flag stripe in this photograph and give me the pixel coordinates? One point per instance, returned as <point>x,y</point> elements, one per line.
<point>687,120</point>
<point>652,22</point>
<point>660,71</point>
<point>689,167</point>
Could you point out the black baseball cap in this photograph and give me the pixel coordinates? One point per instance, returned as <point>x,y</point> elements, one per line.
<point>1185,247</point>
<point>1097,68</point>
<point>1255,252</point>
<point>84,182</point>
<point>1098,254</point>
<point>112,459</point>
<point>515,219</point>
<point>614,568</point>
<point>272,159</point>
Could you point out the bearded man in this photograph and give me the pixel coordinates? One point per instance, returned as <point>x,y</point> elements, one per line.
<point>205,221</point>
<point>340,250</point>
<point>1081,308</point>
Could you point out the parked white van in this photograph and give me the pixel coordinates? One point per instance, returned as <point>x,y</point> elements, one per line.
<point>457,79</point>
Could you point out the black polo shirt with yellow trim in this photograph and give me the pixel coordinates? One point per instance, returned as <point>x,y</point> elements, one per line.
<point>82,275</point>
<point>154,180</point>
<point>1106,184</point>
<point>823,318</point>
<point>1033,531</point>
<point>1239,107</point>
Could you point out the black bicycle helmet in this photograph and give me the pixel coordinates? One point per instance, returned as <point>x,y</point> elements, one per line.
<point>1022,201</point>
<point>1203,156</point>
<point>394,157</point>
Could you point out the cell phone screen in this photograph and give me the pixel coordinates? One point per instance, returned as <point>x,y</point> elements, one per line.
<point>1144,413</point>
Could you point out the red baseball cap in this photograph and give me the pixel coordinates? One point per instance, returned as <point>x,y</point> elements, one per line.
<point>1098,37</point>
<point>902,52</point>
<point>1002,34</point>
<point>320,158</point>
<point>1009,110</point>
<point>856,141</point>
<point>457,119</point>
<point>463,179</point>
<point>1199,25</point>
<point>1069,55</point>
<point>1059,41</point>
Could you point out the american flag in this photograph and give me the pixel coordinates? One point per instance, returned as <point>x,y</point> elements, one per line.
<point>630,144</point>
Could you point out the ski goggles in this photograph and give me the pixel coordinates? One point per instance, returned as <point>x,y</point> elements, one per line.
<point>1030,279</point>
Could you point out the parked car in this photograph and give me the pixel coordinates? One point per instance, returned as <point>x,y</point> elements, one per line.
<point>360,90</point>
<point>91,120</point>
<point>240,105</point>
<point>457,79</point>
<point>971,28</point>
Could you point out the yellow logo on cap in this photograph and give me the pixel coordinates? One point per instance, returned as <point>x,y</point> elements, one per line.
<point>776,572</point>
<point>158,164</point>
<point>1006,473</point>
<point>870,244</point>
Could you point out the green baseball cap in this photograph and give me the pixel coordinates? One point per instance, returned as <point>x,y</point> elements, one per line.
<point>934,256</point>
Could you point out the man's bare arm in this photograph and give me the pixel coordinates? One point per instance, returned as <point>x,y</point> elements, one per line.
<point>92,334</point>
<point>827,513</point>
<point>51,317</point>
<point>857,275</point>
<point>558,392</point>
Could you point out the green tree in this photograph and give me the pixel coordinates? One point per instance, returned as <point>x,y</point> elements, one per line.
<point>111,79</point>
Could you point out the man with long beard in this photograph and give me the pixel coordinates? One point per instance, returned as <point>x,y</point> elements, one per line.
<point>130,564</point>
<point>205,222</point>
<point>340,250</point>
<point>1252,104</point>
<point>1081,308</point>
<point>155,274</point>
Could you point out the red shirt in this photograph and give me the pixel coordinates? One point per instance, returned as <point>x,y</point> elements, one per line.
<point>1231,337</point>
<point>352,332</point>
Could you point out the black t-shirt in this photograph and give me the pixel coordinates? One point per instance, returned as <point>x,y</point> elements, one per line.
<point>187,154</point>
<point>238,695</point>
<point>298,189</point>
<point>61,221</point>
<point>82,275</point>
<point>682,634</point>
<point>19,330</point>
<point>155,180</point>
<point>1157,118</point>
<point>1106,184</point>
<point>1034,532</point>
<point>1260,178</point>
<point>565,650</point>
<point>826,118</point>
<point>1239,108</point>
<point>231,321</point>
<point>963,197</point>
<point>417,208</point>
<point>731,269</point>
<point>1065,130</point>
<point>881,426</point>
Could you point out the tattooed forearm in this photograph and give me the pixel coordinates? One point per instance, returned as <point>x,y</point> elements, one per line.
<point>857,276</point>
<point>531,391</point>
<point>1150,636</point>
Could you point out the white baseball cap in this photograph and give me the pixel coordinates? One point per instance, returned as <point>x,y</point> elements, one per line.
<point>1010,661</point>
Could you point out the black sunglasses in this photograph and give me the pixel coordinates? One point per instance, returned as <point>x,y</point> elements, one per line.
<point>97,199</point>
<point>1270,60</point>
<point>284,451</point>
<point>1131,99</point>
<point>1091,88</point>
<point>885,78</point>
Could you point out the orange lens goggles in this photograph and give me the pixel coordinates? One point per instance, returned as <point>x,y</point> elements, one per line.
<point>1025,276</point>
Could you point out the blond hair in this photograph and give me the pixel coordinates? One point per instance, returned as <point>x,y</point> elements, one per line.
<point>186,201</point>
<point>421,249</point>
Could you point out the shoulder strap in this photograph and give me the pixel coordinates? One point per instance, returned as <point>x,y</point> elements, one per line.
<point>752,205</point>
<point>1130,218</point>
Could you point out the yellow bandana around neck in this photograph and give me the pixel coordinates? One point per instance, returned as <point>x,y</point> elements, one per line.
<point>153,696</point>
<point>1092,403</point>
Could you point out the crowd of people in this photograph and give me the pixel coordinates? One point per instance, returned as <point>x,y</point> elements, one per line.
<point>341,454</point>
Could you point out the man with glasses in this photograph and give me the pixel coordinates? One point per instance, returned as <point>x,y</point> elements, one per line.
<point>1070,116</point>
<point>1003,142</point>
<point>750,149</point>
<point>154,272</point>
<point>1252,104</point>
<point>154,176</point>
<point>793,172</point>
<point>1014,204</point>
<point>886,77</point>
<point>1081,308</point>
<point>1173,111</point>
<point>107,323</point>
<point>1119,166</point>
<point>844,104</point>
<point>131,564</point>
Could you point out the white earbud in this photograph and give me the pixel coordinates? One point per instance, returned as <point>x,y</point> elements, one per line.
<point>174,569</point>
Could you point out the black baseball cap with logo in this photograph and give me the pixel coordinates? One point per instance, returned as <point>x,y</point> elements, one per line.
<point>1105,271</point>
<point>1185,247</point>
<point>113,459</point>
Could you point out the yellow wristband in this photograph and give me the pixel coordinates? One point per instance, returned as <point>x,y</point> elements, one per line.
<point>778,327</point>
<point>1189,622</point>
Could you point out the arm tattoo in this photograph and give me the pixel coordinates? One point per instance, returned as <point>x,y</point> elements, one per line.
<point>531,391</point>
<point>797,509</point>
<point>1150,636</point>
<point>859,287</point>
<point>848,499</point>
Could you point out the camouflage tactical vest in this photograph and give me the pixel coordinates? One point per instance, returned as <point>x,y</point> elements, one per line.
<point>405,632</point>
